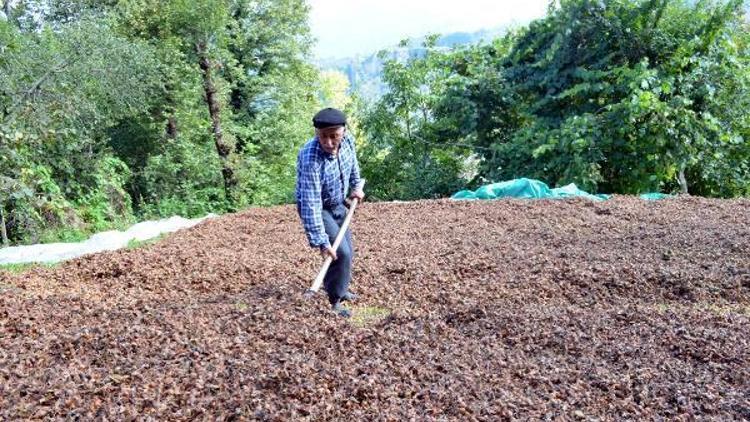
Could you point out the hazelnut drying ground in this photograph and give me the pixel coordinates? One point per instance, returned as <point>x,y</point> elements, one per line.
<point>486,310</point>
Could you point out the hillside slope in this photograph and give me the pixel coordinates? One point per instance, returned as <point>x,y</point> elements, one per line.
<point>495,310</point>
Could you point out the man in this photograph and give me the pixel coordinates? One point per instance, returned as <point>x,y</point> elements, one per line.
<point>326,168</point>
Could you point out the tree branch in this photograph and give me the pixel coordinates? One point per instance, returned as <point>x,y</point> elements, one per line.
<point>34,87</point>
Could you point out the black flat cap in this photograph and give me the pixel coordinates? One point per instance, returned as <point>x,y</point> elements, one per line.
<point>329,117</point>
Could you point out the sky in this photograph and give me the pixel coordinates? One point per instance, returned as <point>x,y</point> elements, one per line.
<point>348,27</point>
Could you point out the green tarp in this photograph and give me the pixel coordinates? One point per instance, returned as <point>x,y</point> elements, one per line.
<point>534,189</point>
<point>653,196</point>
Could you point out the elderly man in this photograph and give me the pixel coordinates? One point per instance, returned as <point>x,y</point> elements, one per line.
<point>326,168</point>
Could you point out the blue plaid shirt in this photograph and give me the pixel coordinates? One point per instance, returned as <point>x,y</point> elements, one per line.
<point>321,182</point>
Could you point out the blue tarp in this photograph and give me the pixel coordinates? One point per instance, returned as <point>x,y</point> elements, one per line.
<point>534,189</point>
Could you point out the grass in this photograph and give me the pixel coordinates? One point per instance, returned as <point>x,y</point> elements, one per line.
<point>65,235</point>
<point>21,268</point>
<point>134,243</point>
<point>363,316</point>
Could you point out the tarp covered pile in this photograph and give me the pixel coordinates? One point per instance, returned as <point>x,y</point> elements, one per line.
<point>524,188</point>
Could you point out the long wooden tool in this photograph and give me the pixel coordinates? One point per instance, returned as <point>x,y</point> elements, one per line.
<point>339,237</point>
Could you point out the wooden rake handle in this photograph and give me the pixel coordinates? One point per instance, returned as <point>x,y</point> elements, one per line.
<point>339,237</point>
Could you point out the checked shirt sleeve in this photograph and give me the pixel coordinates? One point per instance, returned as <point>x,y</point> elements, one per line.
<point>354,176</point>
<point>309,200</point>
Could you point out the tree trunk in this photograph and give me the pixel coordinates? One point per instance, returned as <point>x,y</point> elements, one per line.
<point>214,110</point>
<point>408,128</point>
<point>681,180</point>
<point>171,127</point>
<point>170,109</point>
<point>3,232</point>
<point>6,10</point>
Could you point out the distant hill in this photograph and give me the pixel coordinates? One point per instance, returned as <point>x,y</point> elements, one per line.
<point>364,72</point>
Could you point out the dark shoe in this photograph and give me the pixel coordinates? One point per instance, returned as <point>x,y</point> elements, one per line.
<point>339,310</point>
<point>349,297</point>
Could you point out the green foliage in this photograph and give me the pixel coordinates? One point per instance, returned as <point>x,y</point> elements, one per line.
<point>272,100</point>
<point>622,96</point>
<point>108,204</point>
<point>398,156</point>
<point>106,114</point>
<point>616,96</point>
<point>182,180</point>
<point>334,87</point>
<point>259,50</point>
<point>53,234</point>
<point>54,162</point>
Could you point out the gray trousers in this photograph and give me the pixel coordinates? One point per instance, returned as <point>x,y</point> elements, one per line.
<point>339,275</point>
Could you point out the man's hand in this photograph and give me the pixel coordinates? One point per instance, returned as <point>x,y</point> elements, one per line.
<point>326,251</point>
<point>357,194</point>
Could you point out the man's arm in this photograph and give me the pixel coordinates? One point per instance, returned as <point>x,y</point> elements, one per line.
<point>310,202</point>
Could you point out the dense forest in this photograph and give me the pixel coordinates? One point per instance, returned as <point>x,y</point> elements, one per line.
<point>615,96</point>
<point>114,111</point>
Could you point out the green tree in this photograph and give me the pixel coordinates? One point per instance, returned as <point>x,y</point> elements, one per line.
<point>273,98</point>
<point>406,152</point>
<point>624,96</point>
<point>189,107</point>
<point>195,32</point>
<point>334,90</point>
<point>616,96</point>
<point>60,90</point>
<point>255,81</point>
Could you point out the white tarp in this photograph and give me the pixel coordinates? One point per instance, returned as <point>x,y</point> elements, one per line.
<point>104,241</point>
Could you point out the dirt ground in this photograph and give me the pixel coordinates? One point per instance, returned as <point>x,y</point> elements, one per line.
<point>624,309</point>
